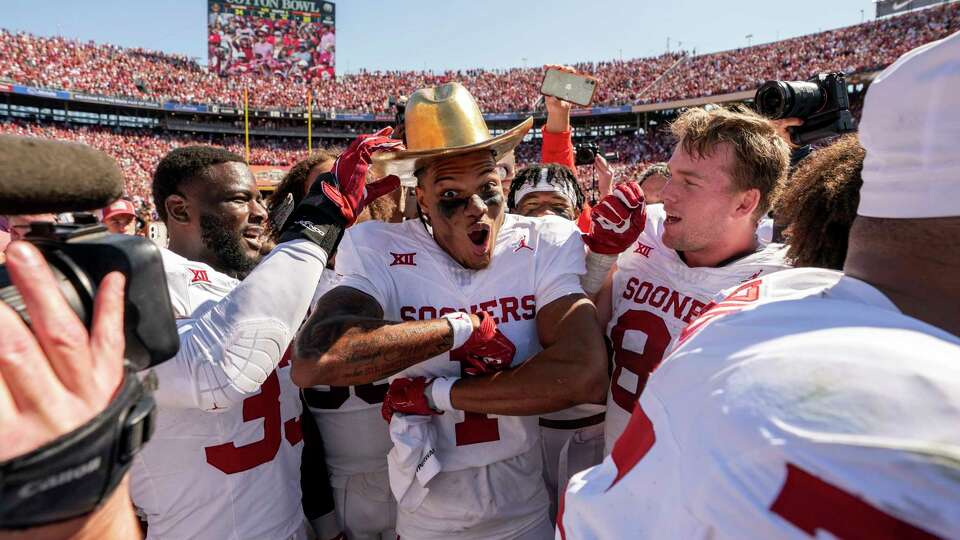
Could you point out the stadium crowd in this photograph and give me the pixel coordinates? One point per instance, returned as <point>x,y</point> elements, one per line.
<point>55,62</point>
<point>138,151</point>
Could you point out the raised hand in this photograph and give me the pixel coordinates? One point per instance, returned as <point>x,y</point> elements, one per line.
<point>617,220</point>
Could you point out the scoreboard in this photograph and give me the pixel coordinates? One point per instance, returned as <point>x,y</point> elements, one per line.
<point>289,38</point>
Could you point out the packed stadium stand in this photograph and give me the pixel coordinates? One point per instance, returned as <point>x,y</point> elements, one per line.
<point>144,129</point>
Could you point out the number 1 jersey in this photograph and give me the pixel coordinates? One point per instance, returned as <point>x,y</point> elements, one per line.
<point>490,483</point>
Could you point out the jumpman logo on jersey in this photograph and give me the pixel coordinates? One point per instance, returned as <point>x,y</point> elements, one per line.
<point>405,259</point>
<point>522,245</point>
<point>199,276</point>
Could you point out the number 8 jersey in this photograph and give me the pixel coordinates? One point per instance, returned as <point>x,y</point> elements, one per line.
<point>655,295</point>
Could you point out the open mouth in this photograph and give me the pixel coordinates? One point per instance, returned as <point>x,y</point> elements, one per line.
<point>479,235</point>
<point>252,236</point>
<point>672,220</point>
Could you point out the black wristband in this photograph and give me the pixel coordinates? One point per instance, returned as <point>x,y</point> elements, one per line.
<point>317,218</point>
<point>72,475</point>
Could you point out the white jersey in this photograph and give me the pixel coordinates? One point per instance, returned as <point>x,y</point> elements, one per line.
<point>535,262</point>
<point>654,296</point>
<point>355,437</point>
<point>220,467</point>
<point>805,404</point>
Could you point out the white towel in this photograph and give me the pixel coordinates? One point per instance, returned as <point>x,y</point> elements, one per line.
<point>413,460</point>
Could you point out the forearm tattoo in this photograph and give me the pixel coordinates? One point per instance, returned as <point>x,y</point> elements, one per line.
<point>349,332</point>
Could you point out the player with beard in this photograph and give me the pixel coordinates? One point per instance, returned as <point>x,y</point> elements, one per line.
<point>224,460</point>
<point>447,304</point>
<point>724,174</point>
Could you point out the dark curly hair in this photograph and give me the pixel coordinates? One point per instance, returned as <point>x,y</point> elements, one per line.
<point>557,175</point>
<point>820,202</point>
<point>294,182</point>
<point>184,164</point>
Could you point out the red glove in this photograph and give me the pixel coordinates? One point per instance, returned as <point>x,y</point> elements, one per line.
<point>486,351</point>
<point>406,396</point>
<point>352,193</point>
<point>617,220</point>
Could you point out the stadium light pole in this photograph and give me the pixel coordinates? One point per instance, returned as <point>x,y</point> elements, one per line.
<point>749,37</point>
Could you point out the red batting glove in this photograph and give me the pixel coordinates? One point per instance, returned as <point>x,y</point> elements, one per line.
<point>487,350</point>
<point>406,396</point>
<point>617,220</point>
<point>351,192</point>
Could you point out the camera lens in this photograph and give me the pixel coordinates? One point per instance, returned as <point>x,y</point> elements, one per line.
<point>789,99</point>
<point>808,99</point>
<point>773,99</point>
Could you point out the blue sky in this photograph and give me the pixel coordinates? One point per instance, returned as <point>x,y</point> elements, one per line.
<point>457,34</point>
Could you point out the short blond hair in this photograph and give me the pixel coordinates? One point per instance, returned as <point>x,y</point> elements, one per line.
<point>761,158</point>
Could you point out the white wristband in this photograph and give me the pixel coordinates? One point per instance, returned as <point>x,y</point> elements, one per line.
<point>598,266</point>
<point>439,394</point>
<point>462,327</point>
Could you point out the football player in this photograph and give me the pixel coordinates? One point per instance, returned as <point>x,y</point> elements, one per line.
<point>449,303</point>
<point>225,457</point>
<point>572,439</point>
<point>813,403</point>
<point>724,172</point>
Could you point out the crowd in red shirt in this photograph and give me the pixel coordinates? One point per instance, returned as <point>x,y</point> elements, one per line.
<point>105,69</point>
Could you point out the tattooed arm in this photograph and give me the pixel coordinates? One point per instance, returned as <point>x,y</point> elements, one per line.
<point>570,370</point>
<point>346,341</point>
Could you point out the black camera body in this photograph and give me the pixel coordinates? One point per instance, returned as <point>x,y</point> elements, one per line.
<point>821,103</point>
<point>80,256</point>
<point>586,153</point>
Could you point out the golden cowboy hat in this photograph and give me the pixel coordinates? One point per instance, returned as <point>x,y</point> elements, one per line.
<point>441,122</point>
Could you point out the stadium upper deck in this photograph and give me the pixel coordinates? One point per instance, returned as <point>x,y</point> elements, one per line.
<point>152,76</point>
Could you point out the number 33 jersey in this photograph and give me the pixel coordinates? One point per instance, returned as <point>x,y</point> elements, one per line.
<point>535,261</point>
<point>212,471</point>
<point>655,295</point>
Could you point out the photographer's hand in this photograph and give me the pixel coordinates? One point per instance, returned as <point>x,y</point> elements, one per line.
<point>782,125</point>
<point>58,377</point>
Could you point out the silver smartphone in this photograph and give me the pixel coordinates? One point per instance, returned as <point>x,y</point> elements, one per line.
<point>572,87</point>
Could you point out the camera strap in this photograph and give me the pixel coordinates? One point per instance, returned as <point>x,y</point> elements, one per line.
<point>72,475</point>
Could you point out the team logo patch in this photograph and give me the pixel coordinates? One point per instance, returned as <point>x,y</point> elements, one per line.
<point>403,259</point>
<point>522,244</point>
<point>643,249</point>
<point>199,276</point>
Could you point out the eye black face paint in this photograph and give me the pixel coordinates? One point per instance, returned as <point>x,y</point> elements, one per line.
<point>449,207</point>
<point>492,198</point>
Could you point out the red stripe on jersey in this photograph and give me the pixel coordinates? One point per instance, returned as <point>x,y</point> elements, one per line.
<point>636,441</point>
<point>810,503</point>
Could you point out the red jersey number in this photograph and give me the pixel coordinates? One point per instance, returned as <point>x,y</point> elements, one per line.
<point>641,364</point>
<point>231,459</point>
<point>476,427</point>
<point>811,504</point>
